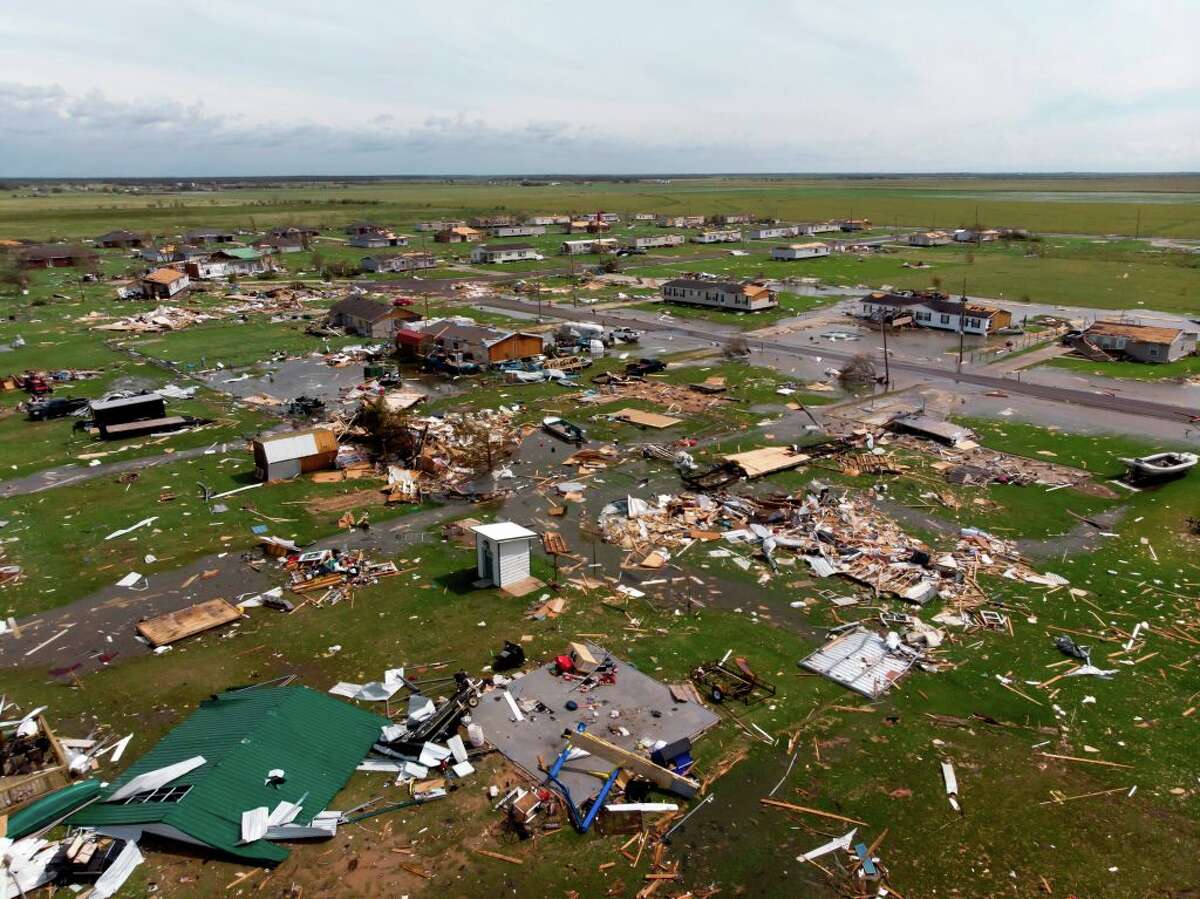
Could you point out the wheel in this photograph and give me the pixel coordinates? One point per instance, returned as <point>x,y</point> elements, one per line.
<point>717,694</point>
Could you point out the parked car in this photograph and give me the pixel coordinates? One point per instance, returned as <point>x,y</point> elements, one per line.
<point>46,408</point>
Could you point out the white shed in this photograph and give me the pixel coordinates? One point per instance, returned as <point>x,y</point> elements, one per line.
<point>502,552</point>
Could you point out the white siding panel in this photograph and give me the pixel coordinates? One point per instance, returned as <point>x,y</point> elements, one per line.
<point>514,561</point>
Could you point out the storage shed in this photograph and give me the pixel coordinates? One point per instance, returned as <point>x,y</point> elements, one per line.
<point>502,552</point>
<point>292,454</point>
<point>107,414</point>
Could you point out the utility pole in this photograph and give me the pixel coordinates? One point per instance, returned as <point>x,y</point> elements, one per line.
<point>1137,231</point>
<point>887,370</point>
<point>962,313</point>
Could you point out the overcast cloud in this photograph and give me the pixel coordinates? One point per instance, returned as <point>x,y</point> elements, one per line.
<point>217,87</point>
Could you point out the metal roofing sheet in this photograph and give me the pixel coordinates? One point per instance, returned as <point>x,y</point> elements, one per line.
<point>280,448</point>
<point>861,661</point>
<point>315,739</point>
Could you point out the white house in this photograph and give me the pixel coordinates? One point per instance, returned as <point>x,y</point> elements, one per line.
<point>928,239</point>
<point>517,230</point>
<point>504,252</point>
<point>970,235</point>
<point>730,235</point>
<point>772,232</point>
<point>594,245</point>
<point>934,311</point>
<point>810,250</point>
<point>658,240</point>
<point>744,297</point>
<point>502,552</point>
<point>643,216</point>
<point>810,228</point>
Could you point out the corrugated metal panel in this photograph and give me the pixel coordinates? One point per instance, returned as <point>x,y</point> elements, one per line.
<point>317,741</point>
<point>861,661</point>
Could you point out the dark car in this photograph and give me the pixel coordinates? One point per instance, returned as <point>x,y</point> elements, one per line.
<point>44,409</point>
<point>645,367</point>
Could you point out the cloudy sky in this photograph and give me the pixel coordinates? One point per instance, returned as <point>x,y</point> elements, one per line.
<point>218,87</point>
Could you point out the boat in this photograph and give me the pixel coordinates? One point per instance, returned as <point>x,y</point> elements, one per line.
<point>563,429</point>
<point>1160,466</point>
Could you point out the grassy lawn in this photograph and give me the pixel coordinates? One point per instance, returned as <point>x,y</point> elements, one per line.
<point>1186,367</point>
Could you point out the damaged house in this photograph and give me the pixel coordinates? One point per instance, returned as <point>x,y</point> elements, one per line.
<point>248,766</point>
<point>163,283</point>
<point>399,262</point>
<point>745,296</point>
<point>934,310</point>
<point>234,261</point>
<point>120,240</point>
<point>1138,343</point>
<point>368,318</point>
<point>479,344</point>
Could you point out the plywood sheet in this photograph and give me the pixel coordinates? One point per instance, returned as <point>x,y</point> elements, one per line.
<point>646,419</point>
<point>195,619</point>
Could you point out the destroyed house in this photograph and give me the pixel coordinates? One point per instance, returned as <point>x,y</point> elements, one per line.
<point>114,417</point>
<point>119,240</point>
<point>503,252</point>
<point>234,261</point>
<point>736,297</point>
<point>294,231</point>
<point>288,243</point>
<point>485,346</point>
<point>240,751</point>
<point>364,228</point>
<point>931,310</point>
<point>930,428</point>
<point>374,239</point>
<point>398,262</point>
<point>210,235</point>
<point>1140,343</point>
<point>292,454</point>
<point>366,317</point>
<point>55,256</point>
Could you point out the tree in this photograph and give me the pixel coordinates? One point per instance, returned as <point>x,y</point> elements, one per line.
<point>736,347</point>
<point>12,273</point>
<point>389,430</point>
<point>859,370</point>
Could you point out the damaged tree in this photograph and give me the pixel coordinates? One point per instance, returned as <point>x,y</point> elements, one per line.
<point>858,371</point>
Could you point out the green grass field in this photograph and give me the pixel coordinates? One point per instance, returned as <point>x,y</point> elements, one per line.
<point>1093,205</point>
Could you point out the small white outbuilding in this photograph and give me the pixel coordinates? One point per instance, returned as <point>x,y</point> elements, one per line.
<point>502,552</point>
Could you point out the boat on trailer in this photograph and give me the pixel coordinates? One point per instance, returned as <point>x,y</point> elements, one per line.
<point>563,430</point>
<point>1160,466</point>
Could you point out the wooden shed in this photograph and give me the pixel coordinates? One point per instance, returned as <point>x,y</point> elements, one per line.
<point>294,453</point>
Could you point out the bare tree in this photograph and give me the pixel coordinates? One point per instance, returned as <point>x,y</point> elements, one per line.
<point>859,370</point>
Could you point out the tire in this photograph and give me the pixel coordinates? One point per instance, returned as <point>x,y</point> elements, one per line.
<point>717,695</point>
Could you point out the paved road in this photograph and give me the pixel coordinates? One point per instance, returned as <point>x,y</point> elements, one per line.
<point>717,333</point>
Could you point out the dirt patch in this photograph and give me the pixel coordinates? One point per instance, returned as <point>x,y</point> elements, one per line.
<point>355,500</point>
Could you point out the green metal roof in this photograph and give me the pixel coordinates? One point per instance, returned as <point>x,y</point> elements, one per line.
<point>246,253</point>
<point>317,740</point>
<point>49,808</point>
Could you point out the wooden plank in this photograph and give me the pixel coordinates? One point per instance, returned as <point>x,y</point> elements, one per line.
<point>812,811</point>
<point>503,858</point>
<point>646,419</point>
<point>174,626</point>
<point>638,764</point>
